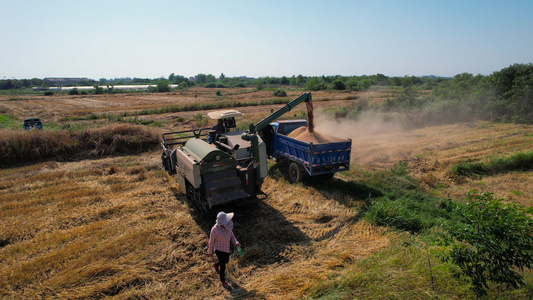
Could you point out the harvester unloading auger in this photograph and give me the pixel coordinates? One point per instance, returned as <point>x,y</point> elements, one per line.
<point>216,168</point>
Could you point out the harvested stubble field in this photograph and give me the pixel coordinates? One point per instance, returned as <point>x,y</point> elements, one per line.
<point>58,108</point>
<point>120,227</point>
<point>431,152</point>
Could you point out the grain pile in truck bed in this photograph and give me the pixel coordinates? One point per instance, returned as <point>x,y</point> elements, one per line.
<point>302,134</point>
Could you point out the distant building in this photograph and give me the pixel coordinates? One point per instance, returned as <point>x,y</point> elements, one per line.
<point>44,89</point>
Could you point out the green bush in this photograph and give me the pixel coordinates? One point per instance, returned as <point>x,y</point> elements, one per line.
<point>200,120</point>
<point>163,86</point>
<point>491,243</point>
<point>339,85</point>
<point>514,90</point>
<point>280,93</point>
<point>98,89</point>
<point>314,84</point>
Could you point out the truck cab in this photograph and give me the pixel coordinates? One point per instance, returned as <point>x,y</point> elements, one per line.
<point>287,126</point>
<point>284,127</point>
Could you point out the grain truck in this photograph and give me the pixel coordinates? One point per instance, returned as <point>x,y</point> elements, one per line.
<point>308,153</point>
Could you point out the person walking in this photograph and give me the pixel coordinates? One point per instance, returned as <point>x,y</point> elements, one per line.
<point>220,238</point>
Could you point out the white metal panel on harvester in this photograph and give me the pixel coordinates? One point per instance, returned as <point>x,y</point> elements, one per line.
<point>189,168</point>
<point>245,149</point>
<point>234,138</point>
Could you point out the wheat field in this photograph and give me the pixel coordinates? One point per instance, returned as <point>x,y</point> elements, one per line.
<point>432,151</point>
<point>122,227</point>
<point>119,227</point>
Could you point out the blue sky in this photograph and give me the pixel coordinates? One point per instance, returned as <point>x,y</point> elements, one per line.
<point>150,39</point>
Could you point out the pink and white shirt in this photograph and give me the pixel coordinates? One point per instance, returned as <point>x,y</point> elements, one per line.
<point>220,239</point>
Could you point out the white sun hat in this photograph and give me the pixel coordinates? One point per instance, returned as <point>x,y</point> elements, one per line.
<point>224,218</point>
<point>229,225</point>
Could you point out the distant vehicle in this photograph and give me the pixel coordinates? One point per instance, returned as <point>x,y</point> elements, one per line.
<point>33,123</point>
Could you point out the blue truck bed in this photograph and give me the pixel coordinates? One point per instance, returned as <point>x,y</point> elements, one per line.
<point>316,159</point>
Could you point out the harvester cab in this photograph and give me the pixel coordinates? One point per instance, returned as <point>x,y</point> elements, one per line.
<point>225,123</point>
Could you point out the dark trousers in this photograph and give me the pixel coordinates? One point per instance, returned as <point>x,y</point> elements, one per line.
<point>223,259</point>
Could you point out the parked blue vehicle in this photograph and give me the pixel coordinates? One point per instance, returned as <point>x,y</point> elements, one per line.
<point>33,123</point>
<point>307,158</point>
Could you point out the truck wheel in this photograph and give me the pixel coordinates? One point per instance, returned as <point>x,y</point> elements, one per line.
<point>295,172</point>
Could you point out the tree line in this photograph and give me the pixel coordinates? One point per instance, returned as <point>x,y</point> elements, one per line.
<point>505,95</point>
<point>313,83</point>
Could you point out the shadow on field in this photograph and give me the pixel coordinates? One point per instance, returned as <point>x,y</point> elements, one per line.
<point>359,194</point>
<point>238,292</point>
<point>263,231</point>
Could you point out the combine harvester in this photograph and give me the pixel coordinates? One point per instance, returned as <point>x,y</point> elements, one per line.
<point>215,168</point>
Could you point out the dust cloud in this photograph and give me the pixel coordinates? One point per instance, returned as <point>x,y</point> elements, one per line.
<point>367,124</point>
<point>378,141</point>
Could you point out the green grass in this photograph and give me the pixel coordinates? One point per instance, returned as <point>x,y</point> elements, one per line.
<point>405,205</point>
<point>133,120</point>
<point>408,269</point>
<point>394,199</point>
<point>8,121</point>
<point>411,267</point>
<point>516,162</point>
<point>412,213</point>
